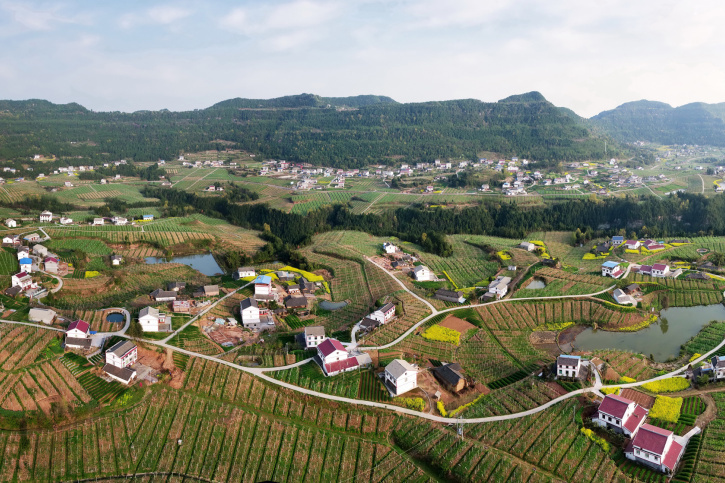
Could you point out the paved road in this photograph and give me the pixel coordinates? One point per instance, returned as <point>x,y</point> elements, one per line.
<point>59,279</point>
<point>30,324</point>
<point>433,309</point>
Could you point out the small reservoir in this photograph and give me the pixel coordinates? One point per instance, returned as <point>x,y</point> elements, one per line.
<point>663,339</point>
<point>536,284</point>
<point>116,318</point>
<point>327,305</point>
<point>204,263</point>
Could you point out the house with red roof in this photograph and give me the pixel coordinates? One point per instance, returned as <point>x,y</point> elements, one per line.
<point>78,329</point>
<point>632,244</point>
<point>652,245</point>
<point>655,447</point>
<point>334,358</point>
<point>620,414</point>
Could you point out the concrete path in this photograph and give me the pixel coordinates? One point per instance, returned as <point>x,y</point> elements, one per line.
<point>30,324</point>
<point>59,279</point>
<point>433,309</point>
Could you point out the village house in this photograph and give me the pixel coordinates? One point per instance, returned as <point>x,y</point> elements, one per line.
<point>422,273</point>
<point>98,221</point>
<point>163,295</point>
<point>116,260</point>
<point>10,223</point>
<point>45,316</point>
<point>77,335</point>
<point>633,289</point>
<point>620,415</point>
<point>207,291</point>
<point>11,240</point>
<point>500,286</point>
<point>40,251</point>
<point>23,252</point>
<point>176,286</point>
<point>655,447</point>
<point>119,358</point>
<point>66,221</point>
<point>660,270</point>
<point>529,247</point>
<point>307,286</point>
<point>314,336</point>
<point>46,216</point>
<point>400,377</point>
<point>243,272</point>
<point>152,320</point>
<point>294,289</point>
<point>334,358</point>
<point>611,269</point>
<point>293,302</point>
<point>569,366</point>
<point>119,220</point>
<point>367,324</point>
<point>253,317</point>
<point>450,295</point>
<point>147,217</point>
<point>384,313</point>
<point>181,306</point>
<point>652,245</point>
<point>263,288</point>
<point>22,280</point>
<point>32,238</point>
<point>632,244</point>
<point>26,265</point>
<point>389,248</point>
<point>622,298</point>
<point>450,376</point>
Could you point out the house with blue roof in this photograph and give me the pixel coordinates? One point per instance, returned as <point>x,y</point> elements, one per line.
<point>611,269</point>
<point>148,217</point>
<point>263,288</point>
<point>26,264</point>
<point>617,240</point>
<point>569,366</point>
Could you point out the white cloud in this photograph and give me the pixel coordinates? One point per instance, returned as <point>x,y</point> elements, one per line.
<point>160,15</point>
<point>39,18</point>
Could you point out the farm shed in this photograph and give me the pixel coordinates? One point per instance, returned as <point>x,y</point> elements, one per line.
<point>450,295</point>
<point>163,295</point>
<point>77,343</point>
<point>121,374</point>
<point>450,375</point>
<point>295,302</point>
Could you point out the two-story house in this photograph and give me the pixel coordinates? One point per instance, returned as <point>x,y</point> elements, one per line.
<point>660,270</point>
<point>422,273</point>
<point>400,377</point>
<point>314,336</point>
<point>569,366</point>
<point>620,414</point>
<point>119,358</point>
<point>384,313</point>
<point>611,269</point>
<point>655,447</point>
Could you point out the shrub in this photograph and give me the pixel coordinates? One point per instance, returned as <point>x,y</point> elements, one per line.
<point>441,409</point>
<point>503,255</point>
<point>666,409</point>
<point>672,384</point>
<point>694,356</point>
<point>610,390</point>
<point>626,380</point>
<point>465,406</point>
<point>442,334</point>
<point>600,441</point>
<point>91,274</point>
<point>415,403</point>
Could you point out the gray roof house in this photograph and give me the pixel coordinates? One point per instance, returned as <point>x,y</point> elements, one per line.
<point>450,295</point>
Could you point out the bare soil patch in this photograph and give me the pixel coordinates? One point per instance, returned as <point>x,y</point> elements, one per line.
<point>556,387</point>
<point>459,325</point>
<point>644,400</point>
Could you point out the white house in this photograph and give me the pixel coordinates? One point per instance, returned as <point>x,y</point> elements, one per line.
<point>119,358</point>
<point>655,447</point>
<point>314,336</point>
<point>500,286</point>
<point>26,265</point>
<point>122,354</point>
<point>66,221</point>
<point>529,247</point>
<point>78,329</point>
<point>22,280</point>
<point>389,248</point>
<point>10,223</point>
<point>263,288</point>
<point>622,298</point>
<point>50,264</point>
<point>632,244</point>
<point>253,317</point>
<point>384,313</point>
<point>243,272</point>
<point>422,273</point>
<point>617,240</point>
<point>568,366</point>
<point>150,319</point>
<point>11,240</point>
<point>40,251</point>
<point>611,269</point>
<point>23,252</point>
<point>98,221</point>
<point>116,259</point>
<point>46,216</point>
<point>119,220</point>
<point>400,377</point>
<point>334,359</point>
<point>620,414</point>
<point>660,270</point>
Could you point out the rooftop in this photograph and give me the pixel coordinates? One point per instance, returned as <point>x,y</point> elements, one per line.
<point>398,367</point>
<point>121,348</point>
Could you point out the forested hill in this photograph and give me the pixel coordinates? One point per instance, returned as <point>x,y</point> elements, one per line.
<point>696,123</point>
<point>303,128</point>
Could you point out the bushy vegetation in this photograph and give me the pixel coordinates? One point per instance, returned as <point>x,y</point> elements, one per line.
<point>666,409</point>
<point>673,384</point>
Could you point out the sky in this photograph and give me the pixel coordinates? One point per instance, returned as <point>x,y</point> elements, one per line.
<point>586,55</point>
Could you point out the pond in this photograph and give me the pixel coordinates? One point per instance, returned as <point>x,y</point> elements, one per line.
<point>535,284</point>
<point>327,305</point>
<point>662,339</point>
<point>204,263</point>
<point>116,318</point>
